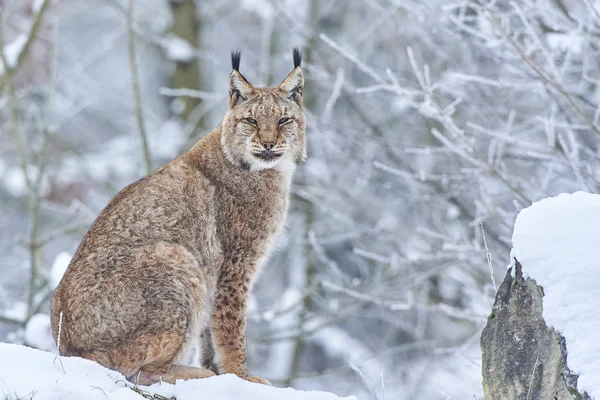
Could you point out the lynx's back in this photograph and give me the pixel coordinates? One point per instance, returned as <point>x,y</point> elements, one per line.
<point>166,268</point>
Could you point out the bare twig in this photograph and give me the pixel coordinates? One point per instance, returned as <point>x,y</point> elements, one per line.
<point>184,92</point>
<point>62,366</point>
<point>403,306</point>
<point>363,378</point>
<point>14,115</point>
<point>135,85</point>
<point>539,72</point>
<point>60,318</point>
<point>488,255</point>
<point>35,27</point>
<point>100,389</point>
<point>32,185</point>
<point>593,9</point>
<point>58,337</point>
<point>148,395</point>
<point>10,320</point>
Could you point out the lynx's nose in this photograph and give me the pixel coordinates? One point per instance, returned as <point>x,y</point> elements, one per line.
<point>268,146</point>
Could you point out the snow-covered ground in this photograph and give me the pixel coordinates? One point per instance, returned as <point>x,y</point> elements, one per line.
<point>27,373</point>
<point>557,240</point>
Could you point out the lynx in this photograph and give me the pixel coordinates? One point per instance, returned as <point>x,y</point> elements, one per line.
<point>163,275</point>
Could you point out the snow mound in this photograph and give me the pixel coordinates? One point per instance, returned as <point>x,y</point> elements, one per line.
<point>557,242</point>
<point>26,372</point>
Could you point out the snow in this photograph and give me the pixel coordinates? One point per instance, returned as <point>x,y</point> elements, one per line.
<point>12,51</point>
<point>565,42</point>
<point>262,8</point>
<point>179,49</point>
<point>282,352</point>
<point>168,149</point>
<point>38,332</point>
<point>556,241</point>
<point>18,311</point>
<point>14,182</point>
<point>36,6</point>
<point>59,266</point>
<point>25,371</point>
<point>231,387</point>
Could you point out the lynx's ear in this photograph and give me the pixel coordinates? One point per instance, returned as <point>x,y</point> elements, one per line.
<point>293,84</point>
<point>239,88</point>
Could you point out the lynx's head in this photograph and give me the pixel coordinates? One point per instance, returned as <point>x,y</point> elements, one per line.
<point>264,127</point>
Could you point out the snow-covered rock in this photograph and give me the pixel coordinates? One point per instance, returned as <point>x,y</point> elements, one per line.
<point>557,239</point>
<point>25,371</point>
<point>541,341</point>
<point>522,356</point>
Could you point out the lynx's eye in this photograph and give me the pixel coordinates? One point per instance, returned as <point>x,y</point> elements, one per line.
<point>250,121</point>
<point>284,120</point>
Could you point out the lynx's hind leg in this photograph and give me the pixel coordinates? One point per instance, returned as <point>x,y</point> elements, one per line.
<point>164,354</point>
<point>161,353</point>
<point>158,307</point>
<point>154,357</point>
<point>146,351</point>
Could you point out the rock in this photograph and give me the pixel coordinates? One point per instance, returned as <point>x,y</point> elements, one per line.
<point>523,358</point>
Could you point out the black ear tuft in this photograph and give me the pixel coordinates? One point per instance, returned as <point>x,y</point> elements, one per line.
<point>235,60</point>
<point>297,57</point>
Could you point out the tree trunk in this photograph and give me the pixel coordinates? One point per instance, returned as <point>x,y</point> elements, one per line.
<point>187,73</point>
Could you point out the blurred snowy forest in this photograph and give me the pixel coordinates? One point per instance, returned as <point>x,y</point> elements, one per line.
<point>427,121</point>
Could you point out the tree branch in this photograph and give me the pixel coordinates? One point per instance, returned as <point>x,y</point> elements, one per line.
<point>135,85</point>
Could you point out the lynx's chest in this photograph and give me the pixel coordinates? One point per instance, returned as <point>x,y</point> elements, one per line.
<point>253,217</point>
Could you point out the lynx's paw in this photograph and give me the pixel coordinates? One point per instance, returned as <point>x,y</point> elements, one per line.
<point>258,379</point>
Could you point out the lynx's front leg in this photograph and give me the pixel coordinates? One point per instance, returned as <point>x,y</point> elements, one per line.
<point>229,322</point>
